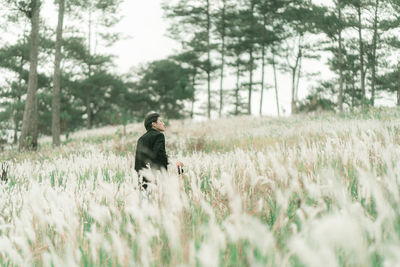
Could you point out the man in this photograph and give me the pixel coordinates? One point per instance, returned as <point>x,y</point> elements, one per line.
<point>150,149</point>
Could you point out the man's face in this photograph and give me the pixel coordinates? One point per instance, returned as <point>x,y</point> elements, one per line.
<point>159,125</point>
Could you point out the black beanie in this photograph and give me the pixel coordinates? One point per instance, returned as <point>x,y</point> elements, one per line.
<point>152,117</point>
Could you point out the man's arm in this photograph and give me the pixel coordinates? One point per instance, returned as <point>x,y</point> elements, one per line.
<point>159,151</point>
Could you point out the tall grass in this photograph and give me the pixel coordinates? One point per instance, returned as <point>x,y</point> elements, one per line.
<point>301,191</point>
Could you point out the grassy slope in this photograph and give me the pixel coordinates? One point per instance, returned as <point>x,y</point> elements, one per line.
<point>295,191</point>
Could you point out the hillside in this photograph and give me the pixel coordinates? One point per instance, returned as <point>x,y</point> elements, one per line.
<point>300,191</point>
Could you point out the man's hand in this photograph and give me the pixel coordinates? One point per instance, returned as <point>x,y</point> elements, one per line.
<point>179,165</point>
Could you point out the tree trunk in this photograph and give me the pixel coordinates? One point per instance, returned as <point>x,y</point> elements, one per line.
<point>262,78</point>
<point>294,71</point>
<point>251,57</point>
<point>398,91</point>
<point>374,41</point>
<point>193,97</point>
<point>55,126</point>
<point>88,109</point>
<point>296,96</point>
<point>89,86</point>
<point>262,66</point>
<point>15,140</point>
<point>293,102</point>
<point>221,88</point>
<point>35,120</point>
<point>275,82</point>
<point>340,59</point>
<point>353,95</point>
<point>29,131</point>
<point>208,62</point>
<point>237,87</point>
<point>361,47</point>
<point>16,121</point>
<point>250,81</point>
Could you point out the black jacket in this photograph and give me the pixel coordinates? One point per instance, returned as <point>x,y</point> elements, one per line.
<point>151,149</point>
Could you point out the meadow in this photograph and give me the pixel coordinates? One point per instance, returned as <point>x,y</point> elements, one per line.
<point>317,190</point>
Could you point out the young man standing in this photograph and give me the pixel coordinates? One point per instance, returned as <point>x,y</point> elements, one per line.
<point>150,149</point>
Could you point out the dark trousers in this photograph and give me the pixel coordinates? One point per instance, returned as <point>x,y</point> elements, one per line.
<point>142,182</point>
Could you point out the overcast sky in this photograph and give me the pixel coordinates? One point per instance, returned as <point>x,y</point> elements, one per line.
<point>143,23</point>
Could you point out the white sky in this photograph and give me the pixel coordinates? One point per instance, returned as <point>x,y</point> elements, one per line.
<point>143,23</point>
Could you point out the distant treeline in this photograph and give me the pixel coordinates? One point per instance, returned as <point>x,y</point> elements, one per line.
<point>229,37</point>
<point>59,76</point>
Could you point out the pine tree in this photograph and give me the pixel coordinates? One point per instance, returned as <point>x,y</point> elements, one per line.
<point>192,20</point>
<point>29,131</point>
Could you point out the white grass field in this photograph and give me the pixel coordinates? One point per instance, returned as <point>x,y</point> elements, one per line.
<point>302,191</point>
